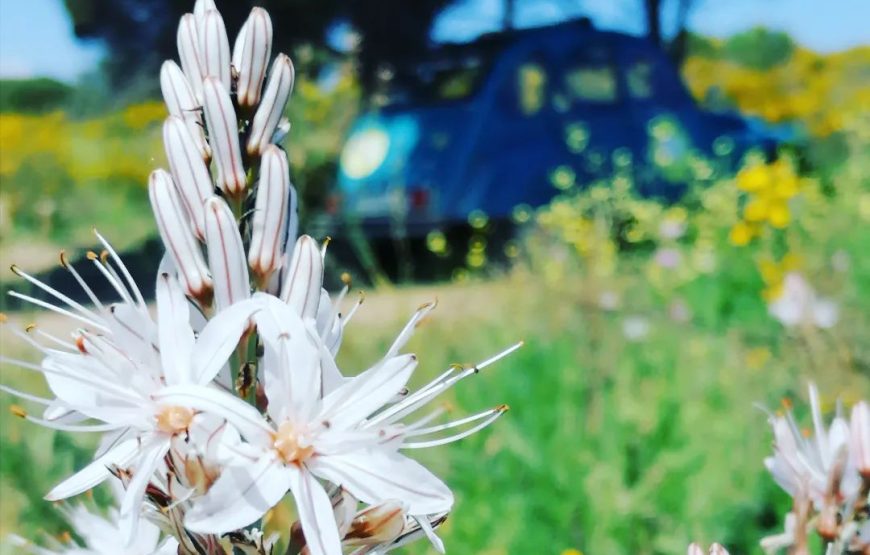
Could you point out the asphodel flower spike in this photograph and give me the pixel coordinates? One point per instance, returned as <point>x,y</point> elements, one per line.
<point>214,47</point>
<point>304,280</point>
<point>181,102</point>
<point>223,131</point>
<point>188,52</point>
<point>266,119</point>
<point>226,255</point>
<point>251,54</point>
<point>189,171</point>
<point>181,245</point>
<point>270,217</point>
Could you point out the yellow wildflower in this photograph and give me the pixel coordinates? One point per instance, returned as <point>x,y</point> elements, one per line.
<point>779,215</point>
<point>741,234</point>
<point>753,178</point>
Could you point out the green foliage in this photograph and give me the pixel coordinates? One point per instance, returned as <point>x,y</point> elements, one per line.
<point>33,96</point>
<point>759,48</point>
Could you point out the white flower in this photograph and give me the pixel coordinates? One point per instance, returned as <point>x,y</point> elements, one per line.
<point>798,304</point>
<point>811,463</point>
<point>635,328</point>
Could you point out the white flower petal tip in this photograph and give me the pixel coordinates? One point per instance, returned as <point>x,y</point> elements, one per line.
<point>188,52</point>
<point>718,549</point>
<point>376,525</point>
<point>214,47</point>
<point>181,102</point>
<point>272,213</point>
<point>860,438</point>
<point>226,254</point>
<point>271,108</point>
<point>201,7</point>
<point>695,549</point>
<point>172,223</point>
<point>304,278</point>
<point>189,171</point>
<point>251,55</point>
<point>223,131</point>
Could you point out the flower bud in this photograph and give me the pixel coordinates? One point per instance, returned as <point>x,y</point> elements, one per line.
<point>214,48</point>
<point>304,278</point>
<point>376,525</point>
<point>269,221</point>
<point>251,54</point>
<point>226,255</point>
<point>188,170</point>
<point>223,131</point>
<point>180,102</point>
<point>271,107</point>
<point>177,237</point>
<point>695,549</point>
<point>717,549</point>
<point>860,440</point>
<point>281,130</point>
<point>188,52</point>
<point>201,7</point>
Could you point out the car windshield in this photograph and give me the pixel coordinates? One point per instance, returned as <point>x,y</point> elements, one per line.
<point>435,81</point>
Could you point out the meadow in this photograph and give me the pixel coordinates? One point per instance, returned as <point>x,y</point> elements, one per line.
<point>650,344</point>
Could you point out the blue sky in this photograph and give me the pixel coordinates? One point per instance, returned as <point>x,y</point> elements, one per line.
<point>36,36</point>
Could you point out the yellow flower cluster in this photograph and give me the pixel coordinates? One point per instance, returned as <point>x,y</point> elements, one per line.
<point>824,92</point>
<point>773,273</point>
<point>769,187</point>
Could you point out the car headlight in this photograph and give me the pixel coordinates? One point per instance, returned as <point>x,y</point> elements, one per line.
<point>364,153</point>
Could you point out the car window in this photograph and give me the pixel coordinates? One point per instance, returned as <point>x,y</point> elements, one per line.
<point>590,76</point>
<point>638,78</point>
<point>531,86</point>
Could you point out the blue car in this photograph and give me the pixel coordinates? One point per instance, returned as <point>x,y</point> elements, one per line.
<point>487,126</point>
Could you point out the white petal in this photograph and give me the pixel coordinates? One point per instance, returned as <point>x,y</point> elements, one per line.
<point>95,472</point>
<point>304,278</point>
<point>271,212</point>
<point>315,514</point>
<point>189,171</point>
<point>271,107</point>
<point>255,45</point>
<point>362,395</point>
<point>241,495</point>
<point>374,476</point>
<point>292,380</point>
<point>223,131</point>
<point>226,255</point>
<point>243,416</point>
<point>219,339</point>
<point>214,47</point>
<point>176,336</point>
<point>134,497</point>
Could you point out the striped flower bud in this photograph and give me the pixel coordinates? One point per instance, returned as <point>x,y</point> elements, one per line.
<point>226,255</point>
<point>281,130</point>
<point>214,47</point>
<point>201,7</point>
<point>223,131</point>
<point>188,52</point>
<point>251,54</point>
<point>180,101</point>
<point>177,236</point>
<point>188,170</point>
<point>860,440</point>
<point>376,525</point>
<point>269,221</point>
<point>304,278</point>
<point>272,105</point>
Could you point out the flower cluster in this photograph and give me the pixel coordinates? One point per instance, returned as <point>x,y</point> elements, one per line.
<point>230,397</point>
<point>769,188</point>
<point>826,471</point>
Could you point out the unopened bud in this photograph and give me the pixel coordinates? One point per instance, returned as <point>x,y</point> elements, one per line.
<point>860,438</point>
<point>269,221</point>
<point>189,172</point>
<point>181,102</point>
<point>304,278</point>
<point>695,549</point>
<point>827,522</point>
<point>251,54</point>
<point>188,52</point>
<point>214,47</point>
<point>271,107</point>
<point>201,7</point>
<point>717,549</point>
<point>172,223</point>
<point>226,255</point>
<point>223,131</point>
<point>281,131</point>
<point>376,525</point>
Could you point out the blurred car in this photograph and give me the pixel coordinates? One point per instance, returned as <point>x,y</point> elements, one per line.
<point>481,128</point>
